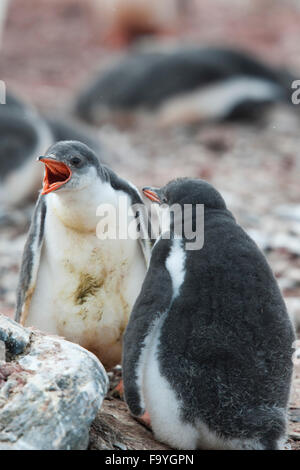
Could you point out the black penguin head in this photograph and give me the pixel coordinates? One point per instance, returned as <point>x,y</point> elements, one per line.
<point>187,191</point>
<point>70,165</point>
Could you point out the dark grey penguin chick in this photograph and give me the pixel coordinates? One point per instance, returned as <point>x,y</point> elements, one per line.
<point>208,348</point>
<point>75,281</point>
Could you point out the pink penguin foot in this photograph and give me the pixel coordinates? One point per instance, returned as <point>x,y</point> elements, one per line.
<point>145,420</point>
<point>118,391</point>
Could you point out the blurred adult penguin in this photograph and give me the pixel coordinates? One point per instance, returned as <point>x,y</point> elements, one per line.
<point>23,135</point>
<point>208,348</point>
<point>196,83</point>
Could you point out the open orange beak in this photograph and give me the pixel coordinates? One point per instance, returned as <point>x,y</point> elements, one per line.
<point>151,195</point>
<point>56,174</point>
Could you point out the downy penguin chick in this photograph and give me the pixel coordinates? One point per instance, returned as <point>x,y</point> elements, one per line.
<point>208,348</point>
<point>72,283</point>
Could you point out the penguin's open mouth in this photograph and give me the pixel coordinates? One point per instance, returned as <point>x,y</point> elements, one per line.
<point>56,174</point>
<point>151,194</point>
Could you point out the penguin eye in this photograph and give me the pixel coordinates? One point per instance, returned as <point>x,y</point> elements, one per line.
<point>75,161</point>
<point>164,200</point>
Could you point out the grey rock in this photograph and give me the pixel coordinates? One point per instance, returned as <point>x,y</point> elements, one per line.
<point>50,390</point>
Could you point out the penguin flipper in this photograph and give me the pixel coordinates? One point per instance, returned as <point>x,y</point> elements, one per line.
<point>30,261</point>
<point>153,301</point>
<point>145,241</point>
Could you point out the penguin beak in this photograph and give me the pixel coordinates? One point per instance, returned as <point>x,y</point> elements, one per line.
<point>151,194</point>
<point>56,174</point>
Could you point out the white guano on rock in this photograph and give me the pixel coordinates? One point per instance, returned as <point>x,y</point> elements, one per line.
<point>50,390</point>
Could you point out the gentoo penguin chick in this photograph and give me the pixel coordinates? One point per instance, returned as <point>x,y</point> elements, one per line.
<point>208,348</point>
<point>73,283</point>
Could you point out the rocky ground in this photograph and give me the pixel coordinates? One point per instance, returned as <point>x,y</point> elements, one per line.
<point>50,390</point>
<point>50,51</point>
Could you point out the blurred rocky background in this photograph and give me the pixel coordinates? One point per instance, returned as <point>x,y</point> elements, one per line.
<point>50,52</point>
